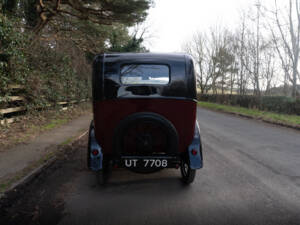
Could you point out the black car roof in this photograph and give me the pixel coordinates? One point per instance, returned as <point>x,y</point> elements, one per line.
<point>107,83</point>
<point>166,56</point>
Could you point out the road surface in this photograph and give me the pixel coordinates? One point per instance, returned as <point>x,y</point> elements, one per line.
<point>251,175</point>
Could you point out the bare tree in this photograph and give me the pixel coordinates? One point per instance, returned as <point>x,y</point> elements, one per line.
<point>213,53</point>
<point>240,52</point>
<point>268,67</point>
<point>288,41</point>
<point>257,57</point>
<point>200,49</point>
<point>219,39</point>
<point>285,61</point>
<point>251,60</point>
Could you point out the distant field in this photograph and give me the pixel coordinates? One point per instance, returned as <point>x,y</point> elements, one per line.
<point>219,91</point>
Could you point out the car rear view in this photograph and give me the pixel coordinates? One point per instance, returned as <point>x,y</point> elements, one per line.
<point>144,109</point>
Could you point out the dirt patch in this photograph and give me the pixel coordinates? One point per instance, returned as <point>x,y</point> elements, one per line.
<point>42,200</point>
<point>29,126</point>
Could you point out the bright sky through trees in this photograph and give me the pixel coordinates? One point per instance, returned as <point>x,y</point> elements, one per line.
<point>171,22</point>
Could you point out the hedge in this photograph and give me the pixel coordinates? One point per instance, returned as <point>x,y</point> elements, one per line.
<point>49,75</point>
<point>279,104</point>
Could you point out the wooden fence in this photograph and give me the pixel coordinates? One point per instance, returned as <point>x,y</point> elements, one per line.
<point>18,109</point>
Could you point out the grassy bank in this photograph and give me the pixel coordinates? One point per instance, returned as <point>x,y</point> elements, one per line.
<point>33,124</point>
<point>282,119</point>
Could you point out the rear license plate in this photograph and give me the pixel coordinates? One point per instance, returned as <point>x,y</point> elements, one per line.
<point>148,163</point>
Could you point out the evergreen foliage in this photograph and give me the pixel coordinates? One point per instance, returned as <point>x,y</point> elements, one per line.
<point>52,57</point>
<point>13,62</point>
<point>8,6</point>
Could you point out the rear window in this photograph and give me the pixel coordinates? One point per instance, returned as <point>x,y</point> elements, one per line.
<point>145,74</point>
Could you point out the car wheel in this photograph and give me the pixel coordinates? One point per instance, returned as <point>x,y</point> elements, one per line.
<point>188,174</point>
<point>104,174</point>
<point>89,144</point>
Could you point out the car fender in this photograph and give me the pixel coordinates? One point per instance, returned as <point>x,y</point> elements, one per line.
<point>96,161</point>
<point>196,160</point>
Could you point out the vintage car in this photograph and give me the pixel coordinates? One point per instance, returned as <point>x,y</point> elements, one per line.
<point>144,108</point>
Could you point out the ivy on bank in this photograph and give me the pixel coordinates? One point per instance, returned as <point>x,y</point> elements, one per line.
<point>49,76</point>
<point>14,68</point>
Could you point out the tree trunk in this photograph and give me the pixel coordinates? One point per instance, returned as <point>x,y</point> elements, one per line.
<point>294,89</point>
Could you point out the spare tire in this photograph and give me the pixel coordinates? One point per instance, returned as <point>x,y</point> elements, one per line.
<point>145,134</point>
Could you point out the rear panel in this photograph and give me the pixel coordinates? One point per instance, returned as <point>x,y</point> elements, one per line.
<point>108,114</point>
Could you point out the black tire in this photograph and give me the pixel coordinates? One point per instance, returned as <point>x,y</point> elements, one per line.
<point>188,174</point>
<point>104,174</point>
<point>89,144</point>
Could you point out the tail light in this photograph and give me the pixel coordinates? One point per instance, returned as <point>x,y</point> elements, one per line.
<point>95,152</point>
<point>194,152</point>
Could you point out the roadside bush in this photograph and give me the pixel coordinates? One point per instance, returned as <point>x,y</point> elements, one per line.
<point>56,76</point>
<point>50,75</point>
<point>279,104</point>
<point>13,62</point>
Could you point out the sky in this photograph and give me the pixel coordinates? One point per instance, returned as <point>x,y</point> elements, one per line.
<point>172,22</point>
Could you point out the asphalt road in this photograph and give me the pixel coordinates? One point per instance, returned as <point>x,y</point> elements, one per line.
<point>251,175</point>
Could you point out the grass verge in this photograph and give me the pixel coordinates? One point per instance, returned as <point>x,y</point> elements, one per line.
<point>281,119</point>
<point>33,124</point>
<point>54,123</point>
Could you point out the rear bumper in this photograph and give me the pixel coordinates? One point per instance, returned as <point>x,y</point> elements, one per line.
<point>195,160</point>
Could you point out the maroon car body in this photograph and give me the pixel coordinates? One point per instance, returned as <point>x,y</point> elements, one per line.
<point>144,108</point>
